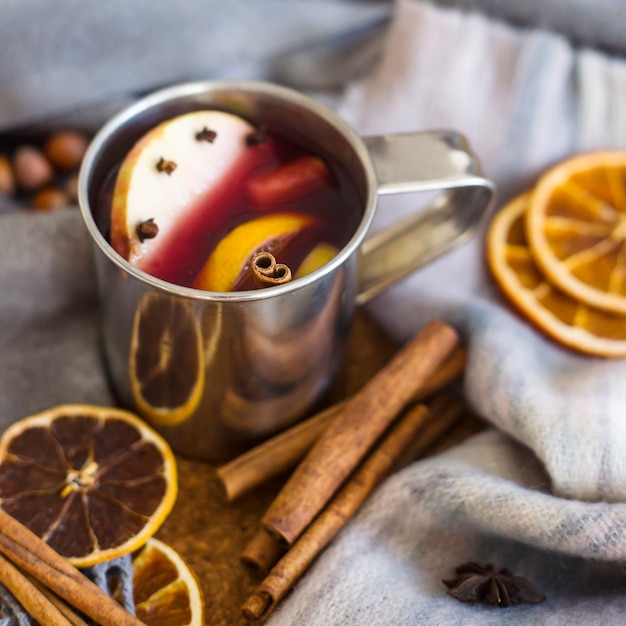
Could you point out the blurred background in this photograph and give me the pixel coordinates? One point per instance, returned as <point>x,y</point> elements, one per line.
<point>70,58</point>
<point>528,82</point>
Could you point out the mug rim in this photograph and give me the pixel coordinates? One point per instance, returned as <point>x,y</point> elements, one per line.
<point>195,88</point>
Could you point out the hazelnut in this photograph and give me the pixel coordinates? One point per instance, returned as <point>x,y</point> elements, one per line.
<point>7,180</point>
<point>32,169</point>
<point>65,149</point>
<point>50,198</point>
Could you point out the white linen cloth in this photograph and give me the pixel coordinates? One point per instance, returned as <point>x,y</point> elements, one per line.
<point>599,23</point>
<point>543,492</point>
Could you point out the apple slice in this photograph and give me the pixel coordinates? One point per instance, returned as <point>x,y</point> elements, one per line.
<point>166,172</point>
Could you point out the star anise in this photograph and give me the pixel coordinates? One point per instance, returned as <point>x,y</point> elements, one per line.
<point>478,583</point>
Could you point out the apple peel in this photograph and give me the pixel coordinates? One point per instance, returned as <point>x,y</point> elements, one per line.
<point>203,146</point>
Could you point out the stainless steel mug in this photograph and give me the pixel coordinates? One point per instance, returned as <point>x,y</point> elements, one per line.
<point>233,368</point>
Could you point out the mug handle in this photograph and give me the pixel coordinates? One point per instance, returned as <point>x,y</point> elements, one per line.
<point>416,162</point>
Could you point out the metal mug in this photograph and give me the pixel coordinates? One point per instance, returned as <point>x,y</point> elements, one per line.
<point>255,361</point>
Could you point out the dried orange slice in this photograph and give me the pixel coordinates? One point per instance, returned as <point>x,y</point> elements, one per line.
<point>93,482</point>
<point>166,361</point>
<point>565,319</point>
<point>166,591</point>
<point>576,226</point>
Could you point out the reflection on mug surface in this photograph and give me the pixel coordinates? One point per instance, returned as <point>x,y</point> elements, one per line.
<point>277,360</point>
<point>166,360</point>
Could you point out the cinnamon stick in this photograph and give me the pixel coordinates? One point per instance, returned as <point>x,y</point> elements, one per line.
<point>273,456</point>
<point>349,437</point>
<point>35,603</point>
<point>291,567</point>
<point>267,272</point>
<point>467,426</point>
<point>63,608</point>
<point>262,551</point>
<point>35,557</point>
<point>283,451</point>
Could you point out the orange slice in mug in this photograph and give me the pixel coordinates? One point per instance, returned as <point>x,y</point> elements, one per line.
<point>166,361</point>
<point>321,254</point>
<point>93,482</point>
<point>576,226</point>
<point>567,320</point>
<point>234,252</point>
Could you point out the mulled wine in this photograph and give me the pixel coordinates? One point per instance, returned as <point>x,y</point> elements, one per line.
<point>199,195</point>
